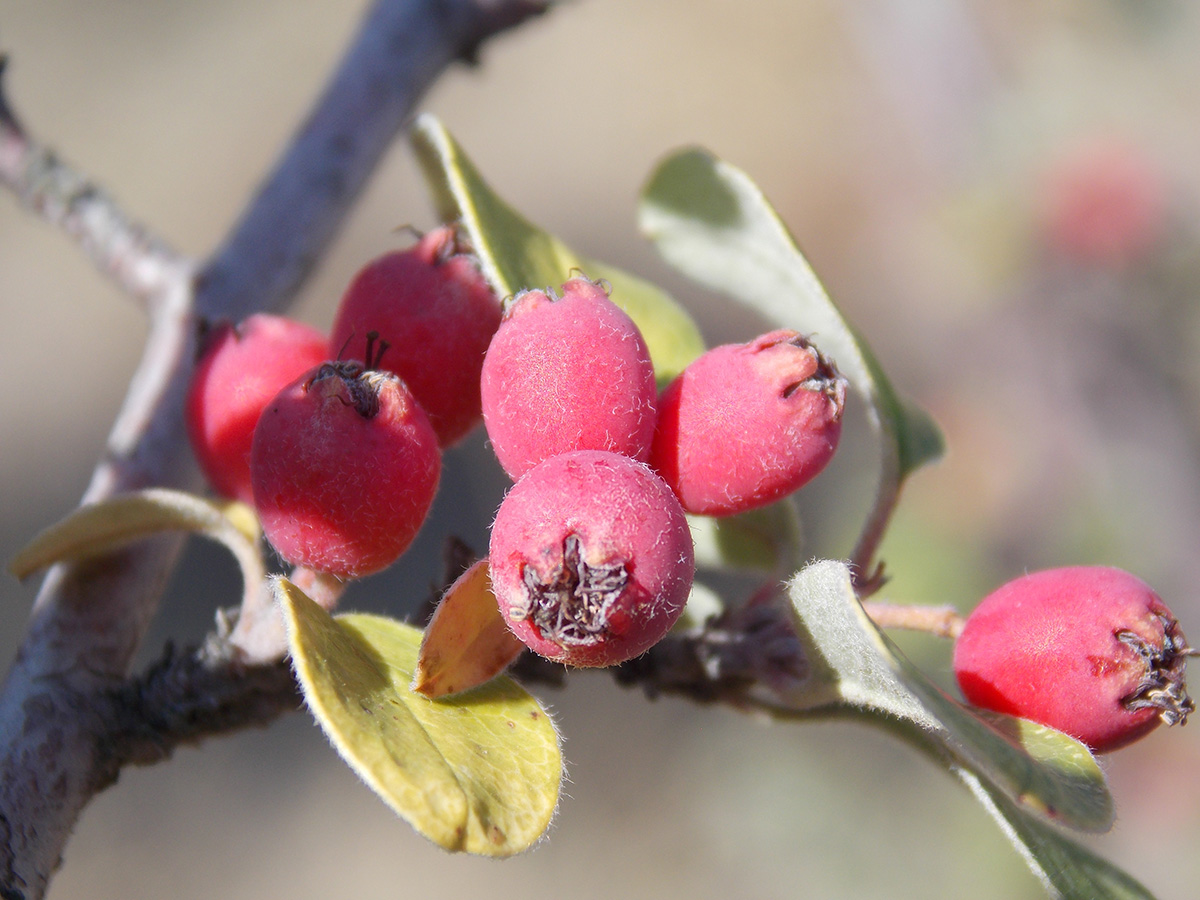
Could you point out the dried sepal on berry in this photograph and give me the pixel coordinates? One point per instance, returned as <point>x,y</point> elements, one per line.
<point>345,466</point>
<point>591,558</point>
<point>1163,686</point>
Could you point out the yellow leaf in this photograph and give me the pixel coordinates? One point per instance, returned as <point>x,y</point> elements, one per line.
<point>98,528</point>
<point>479,773</point>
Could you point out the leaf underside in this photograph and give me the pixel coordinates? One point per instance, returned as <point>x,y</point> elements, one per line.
<point>94,529</point>
<point>713,224</point>
<point>1032,779</point>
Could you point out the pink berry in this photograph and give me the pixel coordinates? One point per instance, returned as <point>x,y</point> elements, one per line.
<point>345,467</point>
<point>567,374</point>
<point>239,371</point>
<point>1104,203</point>
<point>746,424</point>
<point>1089,650</point>
<point>436,312</point>
<point>591,558</point>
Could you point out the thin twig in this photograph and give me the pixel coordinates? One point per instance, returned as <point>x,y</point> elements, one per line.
<point>141,264</point>
<point>401,45</point>
<point>188,697</point>
<point>942,621</point>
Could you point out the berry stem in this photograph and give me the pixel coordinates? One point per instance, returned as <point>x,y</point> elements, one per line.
<point>943,621</point>
<point>866,574</point>
<point>258,636</point>
<point>322,588</point>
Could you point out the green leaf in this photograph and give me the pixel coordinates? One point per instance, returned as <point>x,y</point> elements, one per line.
<point>762,540</point>
<point>98,528</point>
<point>1041,770</point>
<point>710,221</point>
<point>1065,869</point>
<point>479,773</point>
<point>515,254</point>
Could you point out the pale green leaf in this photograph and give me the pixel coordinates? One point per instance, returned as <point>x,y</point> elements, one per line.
<point>515,254</point>
<point>1067,870</point>
<point>94,529</point>
<point>1041,770</point>
<point>479,773</point>
<point>767,539</point>
<point>710,221</point>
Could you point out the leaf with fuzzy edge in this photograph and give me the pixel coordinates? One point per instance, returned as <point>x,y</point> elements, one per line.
<point>94,529</point>
<point>479,773</point>
<point>710,221</point>
<point>1027,775</point>
<point>516,255</point>
<point>1041,769</point>
<point>1065,869</point>
<point>467,642</point>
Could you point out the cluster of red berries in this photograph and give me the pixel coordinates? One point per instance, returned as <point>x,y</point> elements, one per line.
<point>591,555</point>
<point>337,443</point>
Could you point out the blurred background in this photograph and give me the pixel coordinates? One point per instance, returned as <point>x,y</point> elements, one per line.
<point>1002,196</point>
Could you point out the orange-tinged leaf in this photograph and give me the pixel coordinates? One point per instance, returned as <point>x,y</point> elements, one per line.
<point>466,643</point>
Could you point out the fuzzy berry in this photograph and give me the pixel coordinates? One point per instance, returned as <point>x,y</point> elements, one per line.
<point>1089,650</point>
<point>433,308</point>
<point>239,371</point>
<point>591,558</point>
<point>345,467</point>
<point>746,424</point>
<point>566,374</point>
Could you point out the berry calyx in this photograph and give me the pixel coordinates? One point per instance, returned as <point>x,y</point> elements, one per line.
<point>746,424</point>
<point>345,466</point>
<point>564,374</point>
<point>591,558</point>
<point>436,311</point>
<point>1089,650</point>
<point>239,371</point>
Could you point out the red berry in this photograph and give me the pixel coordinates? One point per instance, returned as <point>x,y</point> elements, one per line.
<point>239,371</point>
<point>591,558</point>
<point>1088,650</point>
<point>1104,202</point>
<point>567,374</point>
<point>746,424</point>
<point>345,466</point>
<point>436,313</point>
